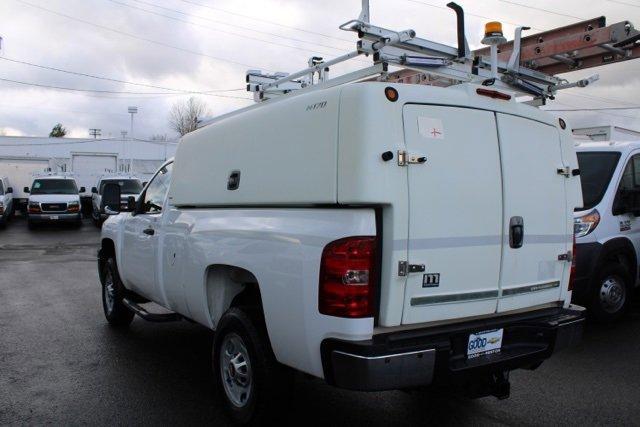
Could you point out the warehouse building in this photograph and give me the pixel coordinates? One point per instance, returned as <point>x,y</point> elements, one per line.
<point>22,157</point>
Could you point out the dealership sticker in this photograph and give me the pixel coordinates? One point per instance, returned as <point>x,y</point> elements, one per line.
<point>430,127</point>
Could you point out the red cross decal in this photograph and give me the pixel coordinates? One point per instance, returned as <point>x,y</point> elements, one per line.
<point>435,132</point>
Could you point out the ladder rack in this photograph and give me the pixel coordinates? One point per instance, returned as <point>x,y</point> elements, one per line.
<point>526,65</point>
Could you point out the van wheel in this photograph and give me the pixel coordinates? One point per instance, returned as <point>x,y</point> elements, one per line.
<point>611,293</point>
<point>117,314</point>
<point>31,225</point>
<point>251,383</point>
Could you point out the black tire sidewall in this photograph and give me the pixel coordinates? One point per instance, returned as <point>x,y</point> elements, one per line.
<point>607,270</point>
<point>120,316</point>
<point>269,378</point>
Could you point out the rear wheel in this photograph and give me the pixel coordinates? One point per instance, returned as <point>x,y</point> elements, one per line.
<point>251,383</point>
<point>116,313</point>
<point>611,292</point>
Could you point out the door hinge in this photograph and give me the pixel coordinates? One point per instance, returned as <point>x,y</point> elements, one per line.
<point>566,257</point>
<point>405,158</point>
<point>404,268</point>
<point>564,171</point>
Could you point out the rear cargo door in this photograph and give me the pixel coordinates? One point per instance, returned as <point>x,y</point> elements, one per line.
<point>534,194</point>
<point>455,213</point>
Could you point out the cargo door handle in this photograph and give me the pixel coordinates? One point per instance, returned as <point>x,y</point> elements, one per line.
<point>149,231</point>
<point>516,232</point>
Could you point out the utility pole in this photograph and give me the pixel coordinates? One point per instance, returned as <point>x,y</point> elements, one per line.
<point>132,111</point>
<point>95,132</point>
<point>124,138</point>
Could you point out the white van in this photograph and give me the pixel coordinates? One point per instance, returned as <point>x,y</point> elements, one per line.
<point>607,227</point>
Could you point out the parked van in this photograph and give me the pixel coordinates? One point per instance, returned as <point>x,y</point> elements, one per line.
<point>6,201</point>
<point>54,199</point>
<point>607,227</point>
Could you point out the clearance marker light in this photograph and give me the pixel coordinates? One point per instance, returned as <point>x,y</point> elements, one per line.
<point>391,94</point>
<point>493,94</point>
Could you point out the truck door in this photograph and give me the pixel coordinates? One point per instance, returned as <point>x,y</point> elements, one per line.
<point>534,199</point>
<point>455,213</point>
<point>141,232</point>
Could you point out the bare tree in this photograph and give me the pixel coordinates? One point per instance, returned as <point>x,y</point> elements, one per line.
<point>184,116</point>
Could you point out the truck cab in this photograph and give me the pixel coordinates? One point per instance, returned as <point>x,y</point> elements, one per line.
<point>130,186</point>
<point>6,201</point>
<point>607,228</point>
<point>53,199</point>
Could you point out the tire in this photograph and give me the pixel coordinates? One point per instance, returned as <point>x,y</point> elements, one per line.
<point>116,313</point>
<point>611,292</point>
<point>31,225</point>
<point>96,219</point>
<point>242,354</point>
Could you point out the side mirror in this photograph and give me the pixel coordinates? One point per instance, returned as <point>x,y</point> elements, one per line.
<point>94,190</point>
<point>110,203</point>
<point>131,203</point>
<point>26,189</point>
<point>144,184</point>
<point>82,190</point>
<point>9,190</point>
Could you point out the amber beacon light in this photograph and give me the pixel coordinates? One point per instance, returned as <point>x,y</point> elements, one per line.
<point>493,30</point>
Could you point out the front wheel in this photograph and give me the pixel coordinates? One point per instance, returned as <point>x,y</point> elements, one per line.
<point>251,383</point>
<point>116,313</point>
<point>611,293</point>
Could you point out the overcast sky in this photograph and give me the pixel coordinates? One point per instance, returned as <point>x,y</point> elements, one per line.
<point>207,45</point>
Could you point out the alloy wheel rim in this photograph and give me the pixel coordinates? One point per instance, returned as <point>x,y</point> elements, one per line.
<point>235,368</point>
<point>612,294</point>
<point>109,291</point>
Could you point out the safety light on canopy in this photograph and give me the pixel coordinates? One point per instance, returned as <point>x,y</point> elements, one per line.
<point>493,37</point>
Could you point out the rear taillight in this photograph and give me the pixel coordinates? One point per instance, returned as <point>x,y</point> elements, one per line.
<point>572,275</point>
<point>348,278</point>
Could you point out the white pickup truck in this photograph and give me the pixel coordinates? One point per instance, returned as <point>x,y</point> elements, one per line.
<point>129,186</point>
<point>378,236</point>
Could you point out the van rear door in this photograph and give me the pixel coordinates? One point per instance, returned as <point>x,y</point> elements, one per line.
<point>534,194</point>
<point>455,213</point>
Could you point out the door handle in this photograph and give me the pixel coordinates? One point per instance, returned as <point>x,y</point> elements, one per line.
<point>516,232</point>
<point>149,231</point>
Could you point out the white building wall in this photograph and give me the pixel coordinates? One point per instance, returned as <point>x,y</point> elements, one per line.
<point>137,157</point>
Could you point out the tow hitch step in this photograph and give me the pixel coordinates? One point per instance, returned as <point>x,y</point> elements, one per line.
<point>151,317</point>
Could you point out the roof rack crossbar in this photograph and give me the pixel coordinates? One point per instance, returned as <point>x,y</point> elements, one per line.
<point>526,65</point>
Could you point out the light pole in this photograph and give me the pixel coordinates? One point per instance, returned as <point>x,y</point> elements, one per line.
<point>132,111</point>
<point>124,138</point>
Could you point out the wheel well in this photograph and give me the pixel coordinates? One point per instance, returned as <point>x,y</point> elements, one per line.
<point>621,251</point>
<point>230,286</point>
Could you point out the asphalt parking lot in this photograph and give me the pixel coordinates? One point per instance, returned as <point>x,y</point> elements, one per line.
<point>61,364</point>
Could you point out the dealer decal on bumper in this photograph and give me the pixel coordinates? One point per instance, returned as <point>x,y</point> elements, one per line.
<point>483,343</point>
